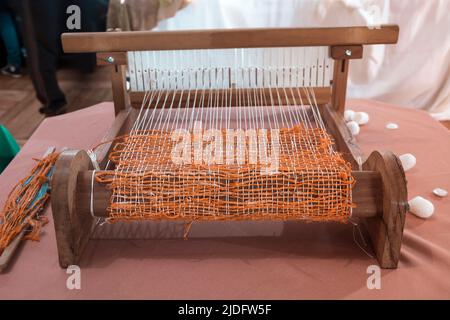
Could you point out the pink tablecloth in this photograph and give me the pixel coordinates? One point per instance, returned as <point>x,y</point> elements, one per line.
<point>303,261</point>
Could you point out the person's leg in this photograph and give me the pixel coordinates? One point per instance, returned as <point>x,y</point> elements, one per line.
<point>93,19</point>
<point>9,35</point>
<point>41,21</point>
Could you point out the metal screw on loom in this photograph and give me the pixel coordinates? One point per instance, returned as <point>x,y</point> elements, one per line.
<point>110,59</point>
<point>348,52</point>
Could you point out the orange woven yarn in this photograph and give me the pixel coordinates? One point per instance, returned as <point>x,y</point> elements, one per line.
<point>24,204</point>
<point>313,183</point>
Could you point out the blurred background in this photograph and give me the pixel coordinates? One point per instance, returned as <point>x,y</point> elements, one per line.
<point>38,80</point>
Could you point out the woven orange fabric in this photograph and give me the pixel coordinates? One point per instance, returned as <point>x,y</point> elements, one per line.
<point>312,183</point>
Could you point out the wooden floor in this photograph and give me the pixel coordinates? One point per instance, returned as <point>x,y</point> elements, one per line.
<point>19,107</point>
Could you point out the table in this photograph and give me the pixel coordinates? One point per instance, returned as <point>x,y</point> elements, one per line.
<point>303,261</point>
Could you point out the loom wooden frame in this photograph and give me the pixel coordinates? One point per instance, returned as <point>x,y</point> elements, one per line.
<point>380,190</point>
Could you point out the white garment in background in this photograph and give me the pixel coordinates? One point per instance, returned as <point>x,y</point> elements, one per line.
<point>414,73</point>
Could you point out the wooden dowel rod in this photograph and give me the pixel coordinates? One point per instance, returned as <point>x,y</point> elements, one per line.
<point>367,194</point>
<point>239,97</point>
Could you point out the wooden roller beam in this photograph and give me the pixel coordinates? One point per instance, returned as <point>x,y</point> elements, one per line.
<point>227,38</point>
<point>367,194</point>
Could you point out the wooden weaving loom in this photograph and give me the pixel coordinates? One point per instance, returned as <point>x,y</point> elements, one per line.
<point>290,80</point>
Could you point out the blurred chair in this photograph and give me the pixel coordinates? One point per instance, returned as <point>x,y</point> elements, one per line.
<point>8,148</point>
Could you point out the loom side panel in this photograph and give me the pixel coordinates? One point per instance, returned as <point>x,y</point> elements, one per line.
<point>120,125</point>
<point>386,230</point>
<point>345,142</point>
<point>72,228</point>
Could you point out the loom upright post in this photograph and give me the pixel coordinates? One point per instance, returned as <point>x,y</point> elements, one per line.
<point>117,61</point>
<point>342,56</point>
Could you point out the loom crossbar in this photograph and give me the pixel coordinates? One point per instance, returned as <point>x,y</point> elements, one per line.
<point>227,38</point>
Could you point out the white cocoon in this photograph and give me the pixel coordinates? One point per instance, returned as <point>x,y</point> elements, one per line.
<point>392,126</point>
<point>353,127</point>
<point>421,207</point>
<point>361,118</point>
<point>349,115</point>
<point>440,192</point>
<point>408,161</point>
